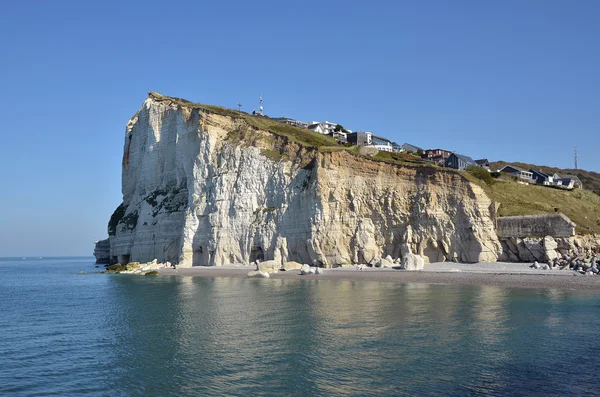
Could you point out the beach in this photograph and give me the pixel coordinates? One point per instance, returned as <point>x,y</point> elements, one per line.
<point>500,274</point>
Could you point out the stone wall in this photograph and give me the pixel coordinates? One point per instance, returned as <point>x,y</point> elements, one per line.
<point>554,225</point>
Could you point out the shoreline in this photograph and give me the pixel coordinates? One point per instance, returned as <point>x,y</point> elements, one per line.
<point>500,274</point>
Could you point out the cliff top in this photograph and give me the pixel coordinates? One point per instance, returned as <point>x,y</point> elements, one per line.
<point>590,179</point>
<point>581,206</point>
<point>298,135</point>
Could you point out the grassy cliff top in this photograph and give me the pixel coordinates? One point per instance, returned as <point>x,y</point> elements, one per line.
<point>590,179</point>
<point>295,134</point>
<point>306,138</point>
<point>580,205</point>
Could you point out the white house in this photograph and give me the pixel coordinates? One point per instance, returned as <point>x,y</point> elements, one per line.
<point>381,144</point>
<point>324,127</point>
<point>288,121</point>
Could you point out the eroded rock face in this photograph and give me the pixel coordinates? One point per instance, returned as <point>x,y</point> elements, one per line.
<point>547,249</point>
<point>196,194</point>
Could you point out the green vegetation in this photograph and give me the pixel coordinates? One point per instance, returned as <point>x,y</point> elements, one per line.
<point>274,155</point>
<point>130,220</point>
<point>268,209</point>
<point>246,123</point>
<point>115,218</point>
<point>339,128</point>
<point>115,268</point>
<point>401,159</point>
<point>118,268</point>
<point>481,173</point>
<point>119,218</point>
<point>580,205</point>
<point>174,199</point>
<point>590,179</point>
<point>151,273</point>
<point>293,134</point>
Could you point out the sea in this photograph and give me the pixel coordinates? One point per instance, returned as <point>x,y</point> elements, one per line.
<point>68,330</point>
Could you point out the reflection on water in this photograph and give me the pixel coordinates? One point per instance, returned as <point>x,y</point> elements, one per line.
<point>184,336</point>
<point>244,336</point>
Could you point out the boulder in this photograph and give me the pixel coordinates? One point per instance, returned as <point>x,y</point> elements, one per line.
<point>305,269</point>
<point>386,263</point>
<point>319,270</point>
<point>412,262</point>
<point>287,266</point>
<point>550,248</point>
<point>269,266</point>
<point>258,274</point>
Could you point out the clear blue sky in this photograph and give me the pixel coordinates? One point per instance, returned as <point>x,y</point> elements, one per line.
<point>512,80</point>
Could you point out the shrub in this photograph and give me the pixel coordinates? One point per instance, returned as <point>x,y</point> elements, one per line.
<point>481,173</point>
<point>151,273</point>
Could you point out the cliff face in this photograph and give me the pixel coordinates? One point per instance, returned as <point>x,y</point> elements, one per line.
<point>206,188</point>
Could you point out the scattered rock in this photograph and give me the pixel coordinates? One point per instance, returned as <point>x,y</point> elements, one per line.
<point>287,266</point>
<point>269,266</point>
<point>413,262</point>
<point>305,269</point>
<point>386,263</point>
<point>258,274</point>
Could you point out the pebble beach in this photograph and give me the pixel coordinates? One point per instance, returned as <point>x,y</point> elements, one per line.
<point>502,274</point>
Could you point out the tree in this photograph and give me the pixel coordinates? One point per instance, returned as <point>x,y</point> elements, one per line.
<point>339,128</point>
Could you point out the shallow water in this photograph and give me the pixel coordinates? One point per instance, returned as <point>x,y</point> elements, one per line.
<point>65,333</point>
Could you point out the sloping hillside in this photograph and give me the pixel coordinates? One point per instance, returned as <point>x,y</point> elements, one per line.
<point>580,205</point>
<point>590,179</point>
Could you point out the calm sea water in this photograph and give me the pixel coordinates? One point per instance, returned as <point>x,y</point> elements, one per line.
<point>65,333</point>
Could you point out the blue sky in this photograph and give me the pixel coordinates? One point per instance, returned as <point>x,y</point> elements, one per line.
<point>511,80</point>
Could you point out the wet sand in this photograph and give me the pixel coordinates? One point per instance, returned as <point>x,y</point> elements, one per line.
<point>517,275</point>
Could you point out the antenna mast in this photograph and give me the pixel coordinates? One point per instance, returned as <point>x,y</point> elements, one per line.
<point>260,109</point>
<point>575,153</point>
<point>239,107</point>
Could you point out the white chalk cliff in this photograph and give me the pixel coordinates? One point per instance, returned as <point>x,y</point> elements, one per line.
<point>204,187</point>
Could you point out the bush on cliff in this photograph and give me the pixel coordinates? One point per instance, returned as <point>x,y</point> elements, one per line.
<point>481,173</point>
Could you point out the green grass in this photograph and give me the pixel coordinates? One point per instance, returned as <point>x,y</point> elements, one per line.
<point>590,179</point>
<point>274,155</point>
<point>581,206</point>
<point>246,123</point>
<point>294,134</point>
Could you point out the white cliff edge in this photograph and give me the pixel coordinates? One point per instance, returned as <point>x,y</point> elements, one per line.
<point>204,189</point>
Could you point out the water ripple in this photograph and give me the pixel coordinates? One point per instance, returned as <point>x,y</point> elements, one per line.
<point>98,335</point>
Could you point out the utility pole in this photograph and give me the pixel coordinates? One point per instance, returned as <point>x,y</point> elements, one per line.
<point>575,153</point>
<point>239,107</point>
